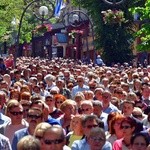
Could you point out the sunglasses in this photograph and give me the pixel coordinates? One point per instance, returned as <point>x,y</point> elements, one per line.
<point>87,109</point>
<point>34,116</point>
<point>91,126</point>
<point>57,141</point>
<point>79,81</point>
<point>59,102</point>
<point>125,127</point>
<point>94,139</point>
<point>38,137</point>
<point>16,113</point>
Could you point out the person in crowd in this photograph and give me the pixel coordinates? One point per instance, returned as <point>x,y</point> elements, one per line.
<point>3,101</point>
<point>86,107</point>
<point>128,126</point>
<point>2,66</point>
<point>25,96</point>
<point>54,112</point>
<point>97,139</point>
<point>68,107</point>
<point>42,86</point>
<point>26,105</point>
<point>59,99</point>
<point>80,87</point>
<point>88,122</point>
<point>137,85</point>
<point>29,142</point>
<point>98,94</point>
<point>49,81</point>
<point>115,131</point>
<point>34,117</point>
<point>98,111</point>
<point>4,143</point>
<point>79,97</point>
<point>54,139</point>
<point>146,93</point>
<point>127,110</point>
<point>138,114</point>
<point>14,110</point>
<point>106,101</point>
<point>76,130</point>
<point>9,61</point>
<point>139,142</point>
<point>62,89</point>
<point>99,61</point>
<point>15,94</point>
<point>39,131</point>
<point>7,78</point>
<point>127,107</point>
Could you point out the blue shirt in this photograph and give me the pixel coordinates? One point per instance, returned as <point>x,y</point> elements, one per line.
<point>17,136</point>
<point>111,108</point>
<point>77,88</point>
<point>83,145</point>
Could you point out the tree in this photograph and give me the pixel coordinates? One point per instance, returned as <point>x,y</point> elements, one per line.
<point>114,40</point>
<point>144,32</point>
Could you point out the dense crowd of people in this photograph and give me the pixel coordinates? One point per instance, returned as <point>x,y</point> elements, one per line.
<point>63,104</point>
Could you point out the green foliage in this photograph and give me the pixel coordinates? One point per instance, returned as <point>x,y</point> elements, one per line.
<point>114,40</point>
<point>144,32</point>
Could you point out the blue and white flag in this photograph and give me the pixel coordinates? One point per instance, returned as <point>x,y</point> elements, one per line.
<point>60,4</point>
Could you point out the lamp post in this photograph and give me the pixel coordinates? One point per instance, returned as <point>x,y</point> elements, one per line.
<point>42,14</point>
<point>77,18</point>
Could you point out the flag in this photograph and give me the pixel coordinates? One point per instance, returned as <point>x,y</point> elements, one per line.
<point>60,4</point>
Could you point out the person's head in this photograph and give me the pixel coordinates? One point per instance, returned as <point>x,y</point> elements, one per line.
<point>89,122</point>
<point>14,110</point>
<point>97,107</point>
<point>49,79</point>
<point>3,98</point>
<point>128,107</point>
<point>26,105</point>
<point>118,92</point>
<point>139,141</point>
<point>128,126</point>
<point>60,83</point>
<point>25,96</point>
<point>29,142</point>
<point>49,100</point>
<point>98,93</point>
<point>131,96</point>
<point>34,117</point>
<point>24,88</point>
<point>96,138</point>
<point>40,129</point>
<point>79,97</point>
<point>115,125</point>
<point>75,124</point>
<point>59,99</point>
<point>80,80</point>
<point>53,138</point>
<point>106,97</point>
<point>110,118</point>
<point>68,107</point>
<point>137,113</point>
<point>86,107</point>
<point>15,94</point>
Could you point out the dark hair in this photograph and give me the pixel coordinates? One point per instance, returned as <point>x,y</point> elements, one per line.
<point>89,117</point>
<point>140,134</point>
<point>130,121</point>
